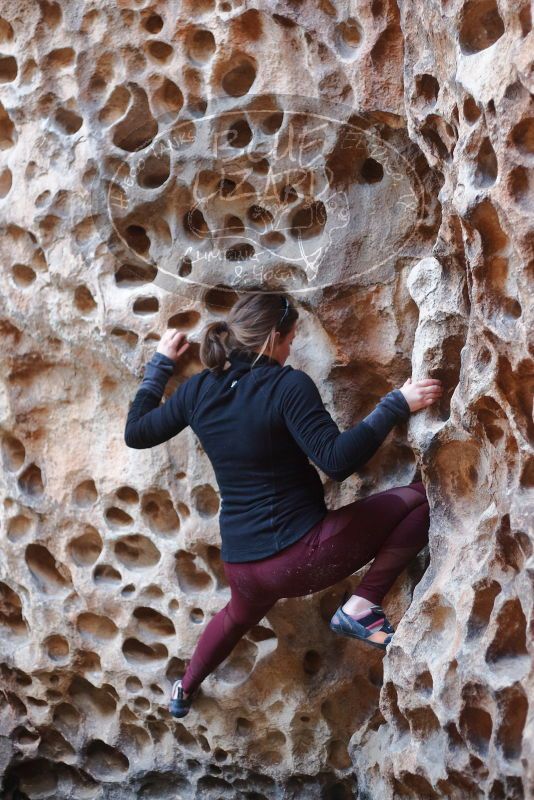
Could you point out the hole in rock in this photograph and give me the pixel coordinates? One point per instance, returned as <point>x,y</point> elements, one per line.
<point>183,321</point>
<point>527,473</point>
<point>145,305</point>
<point>105,762</point>
<point>308,220</point>
<point>50,575</point>
<point>115,106</point>
<point>240,252</point>
<point>90,700</point>
<point>185,267</point>
<point>168,99</point>
<point>137,552</point>
<point>136,237</point>
<point>68,121</point>
<point>238,666</point>
<point>338,755</point>
<point>151,622</point>
<point>127,494</point>
<point>486,165</point>
<point>347,36</point>
<point>96,627</point>
<point>141,704</point>
<point>31,481</point>
<point>151,21</point>
<point>195,225</point>
<point>23,275</point>
<point>233,226</point>
<point>190,577</point>
<point>33,778</point>
<point>23,737</point>
<point>6,180</point>
<point>200,45</point>
<point>57,647</point>
<point>522,136</point>
<point>152,592</point>
<point>106,574</point>
<point>54,746</point>
<point>154,172</point>
<point>423,722</point>
<point>13,453</point>
<point>391,707</point>
<point>413,785</point>
<point>427,87</point>
<point>6,30</point>
<point>521,187</point>
<point>8,69</point>
<point>133,275</point>
<point>485,592</point>
<point>175,669</point>
<point>272,123</point>
<point>312,662</point>
<point>205,500</point>
<point>510,637</point>
<point>160,51</point>
<point>513,710</point>
<point>225,187</point>
<point>272,240</point>
<point>476,724</point>
<point>18,527</point>
<point>133,684</point>
<point>84,300</point>
<point>138,128</point>
<point>471,110</point>
<point>60,58</point>
<point>117,518</point>
<point>136,652</point>
<point>7,130</point>
<point>513,547</point>
<point>86,548</point>
<point>85,494</point>
<point>424,683</point>
<point>239,134</point>
<point>480,25</point>
<point>372,171</point>
<point>11,619</point>
<point>259,216</point>
<point>219,299</point>
<point>388,48</point>
<point>157,507</point>
<point>239,77</point>
<point>439,135</point>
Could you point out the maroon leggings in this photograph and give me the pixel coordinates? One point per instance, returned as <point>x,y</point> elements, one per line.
<point>390,527</point>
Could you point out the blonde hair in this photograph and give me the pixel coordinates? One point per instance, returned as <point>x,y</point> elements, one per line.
<point>251,325</point>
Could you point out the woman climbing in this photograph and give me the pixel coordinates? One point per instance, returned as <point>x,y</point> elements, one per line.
<point>259,422</point>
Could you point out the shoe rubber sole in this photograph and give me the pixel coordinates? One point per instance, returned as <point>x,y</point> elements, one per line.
<point>352,635</point>
<point>178,709</point>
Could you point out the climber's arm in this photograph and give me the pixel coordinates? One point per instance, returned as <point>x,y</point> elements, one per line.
<point>149,423</point>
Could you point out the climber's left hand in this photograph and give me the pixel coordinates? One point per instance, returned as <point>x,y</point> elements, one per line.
<point>173,344</point>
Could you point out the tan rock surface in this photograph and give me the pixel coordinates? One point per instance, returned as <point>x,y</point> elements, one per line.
<point>375,161</point>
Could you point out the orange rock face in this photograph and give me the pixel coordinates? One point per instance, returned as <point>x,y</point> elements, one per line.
<point>156,160</point>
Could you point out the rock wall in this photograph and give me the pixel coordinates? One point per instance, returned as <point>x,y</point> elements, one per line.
<point>375,160</point>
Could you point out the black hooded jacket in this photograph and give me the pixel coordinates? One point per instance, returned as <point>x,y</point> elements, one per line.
<point>259,426</point>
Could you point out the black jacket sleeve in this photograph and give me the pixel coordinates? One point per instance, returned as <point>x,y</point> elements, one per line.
<point>311,425</point>
<point>148,423</point>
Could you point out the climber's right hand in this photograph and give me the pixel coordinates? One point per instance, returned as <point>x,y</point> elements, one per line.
<point>421,394</point>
